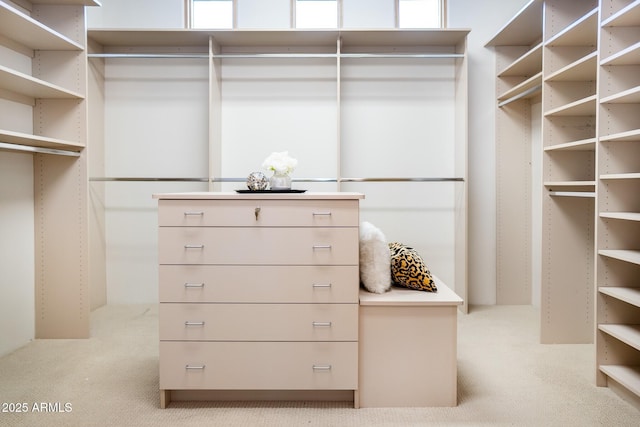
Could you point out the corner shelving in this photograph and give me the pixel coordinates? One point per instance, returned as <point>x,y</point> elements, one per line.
<point>618,188</point>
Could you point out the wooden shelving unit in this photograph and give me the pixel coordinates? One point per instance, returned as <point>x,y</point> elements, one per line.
<point>43,110</point>
<point>343,53</point>
<point>618,187</point>
<point>519,49</point>
<point>569,108</point>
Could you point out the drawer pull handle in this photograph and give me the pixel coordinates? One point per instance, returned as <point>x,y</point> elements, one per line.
<point>322,214</point>
<point>194,285</point>
<point>321,247</point>
<point>192,213</point>
<point>321,367</point>
<point>188,323</point>
<point>194,367</point>
<point>257,211</point>
<point>194,246</point>
<point>322,324</point>
<point>321,285</point>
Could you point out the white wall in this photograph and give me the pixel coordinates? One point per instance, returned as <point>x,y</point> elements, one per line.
<point>17,281</point>
<point>484,18</point>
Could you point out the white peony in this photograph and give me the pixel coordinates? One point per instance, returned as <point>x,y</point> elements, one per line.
<point>280,163</point>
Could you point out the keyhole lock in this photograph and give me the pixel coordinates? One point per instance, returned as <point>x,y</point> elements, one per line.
<point>257,213</point>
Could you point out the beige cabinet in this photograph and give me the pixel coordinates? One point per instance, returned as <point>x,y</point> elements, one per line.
<point>258,292</point>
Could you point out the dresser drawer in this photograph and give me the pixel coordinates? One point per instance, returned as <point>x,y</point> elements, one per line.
<point>270,213</point>
<point>258,322</point>
<point>244,245</point>
<point>259,283</point>
<point>259,365</point>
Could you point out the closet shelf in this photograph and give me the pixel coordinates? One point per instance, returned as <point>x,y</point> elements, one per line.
<point>570,185</point>
<point>9,137</point>
<point>581,107</point>
<point>25,30</point>
<point>632,135</point>
<point>27,85</point>
<point>582,70</point>
<point>628,96</point>
<point>627,255</point>
<point>583,194</point>
<point>628,295</point>
<point>526,89</point>
<point>628,334</point>
<point>270,38</point>
<point>627,216</point>
<point>583,32</point>
<point>527,65</point>
<point>588,144</point>
<point>523,29</point>
<point>621,176</point>
<point>628,376</point>
<point>628,56</point>
<point>627,17</point>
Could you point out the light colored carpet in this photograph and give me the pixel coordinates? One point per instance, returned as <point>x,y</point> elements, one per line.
<point>505,378</point>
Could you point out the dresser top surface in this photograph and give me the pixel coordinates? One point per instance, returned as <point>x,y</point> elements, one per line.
<point>232,195</point>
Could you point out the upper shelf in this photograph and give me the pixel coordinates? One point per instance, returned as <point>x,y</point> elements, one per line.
<point>583,32</point>
<point>32,87</point>
<point>68,2</point>
<point>291,37</point>
<point>21,28</point>
<point>627,17</point>
<point>524,29</point>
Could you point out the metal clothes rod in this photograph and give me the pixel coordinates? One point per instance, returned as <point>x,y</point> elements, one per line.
<point>39,150</point>
<point>520,95</point>
<point>147,179</point>
<point>149,55</point>
<point>444,179</point>
<point>275,55</point>
<point>168,179</point>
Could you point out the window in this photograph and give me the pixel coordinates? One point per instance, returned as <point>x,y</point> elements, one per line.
<point>316,14</point>
<point>420,13</point>
<point>212,14</point>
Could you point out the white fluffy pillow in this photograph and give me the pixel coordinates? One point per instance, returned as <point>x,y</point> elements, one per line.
<point>375,259</point>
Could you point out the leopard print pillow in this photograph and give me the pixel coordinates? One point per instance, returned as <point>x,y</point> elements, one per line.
<point>409,270</point>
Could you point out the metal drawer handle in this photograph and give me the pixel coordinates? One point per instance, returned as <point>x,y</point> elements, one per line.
<point>188,323</point>
<point>321,285</point>
<point>194,366</point>
<point>321,367</point>
<point>193,213</point>
<point>194,285</point>
<point>194,246</point>
<point>321,247</point>
<point>321,214</point>
<point>321,324</point>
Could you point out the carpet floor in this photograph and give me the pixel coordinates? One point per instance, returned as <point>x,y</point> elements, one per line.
<point>505,378</point>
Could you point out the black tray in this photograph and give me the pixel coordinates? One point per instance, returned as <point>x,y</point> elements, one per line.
<point>270,191</point>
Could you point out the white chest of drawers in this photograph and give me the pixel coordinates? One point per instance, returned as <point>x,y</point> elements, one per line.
<point>258,292</point>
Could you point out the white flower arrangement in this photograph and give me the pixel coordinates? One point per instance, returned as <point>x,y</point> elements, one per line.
<point>280,163</point>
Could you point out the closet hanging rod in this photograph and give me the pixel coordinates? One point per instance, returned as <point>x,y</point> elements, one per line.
<point>273,55</point>
<point>424,179</point>
<point>145,179</point>
<point>168,179</point>
<point>149,55</point>
<point>38,150</point>
<point>520,95</point>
